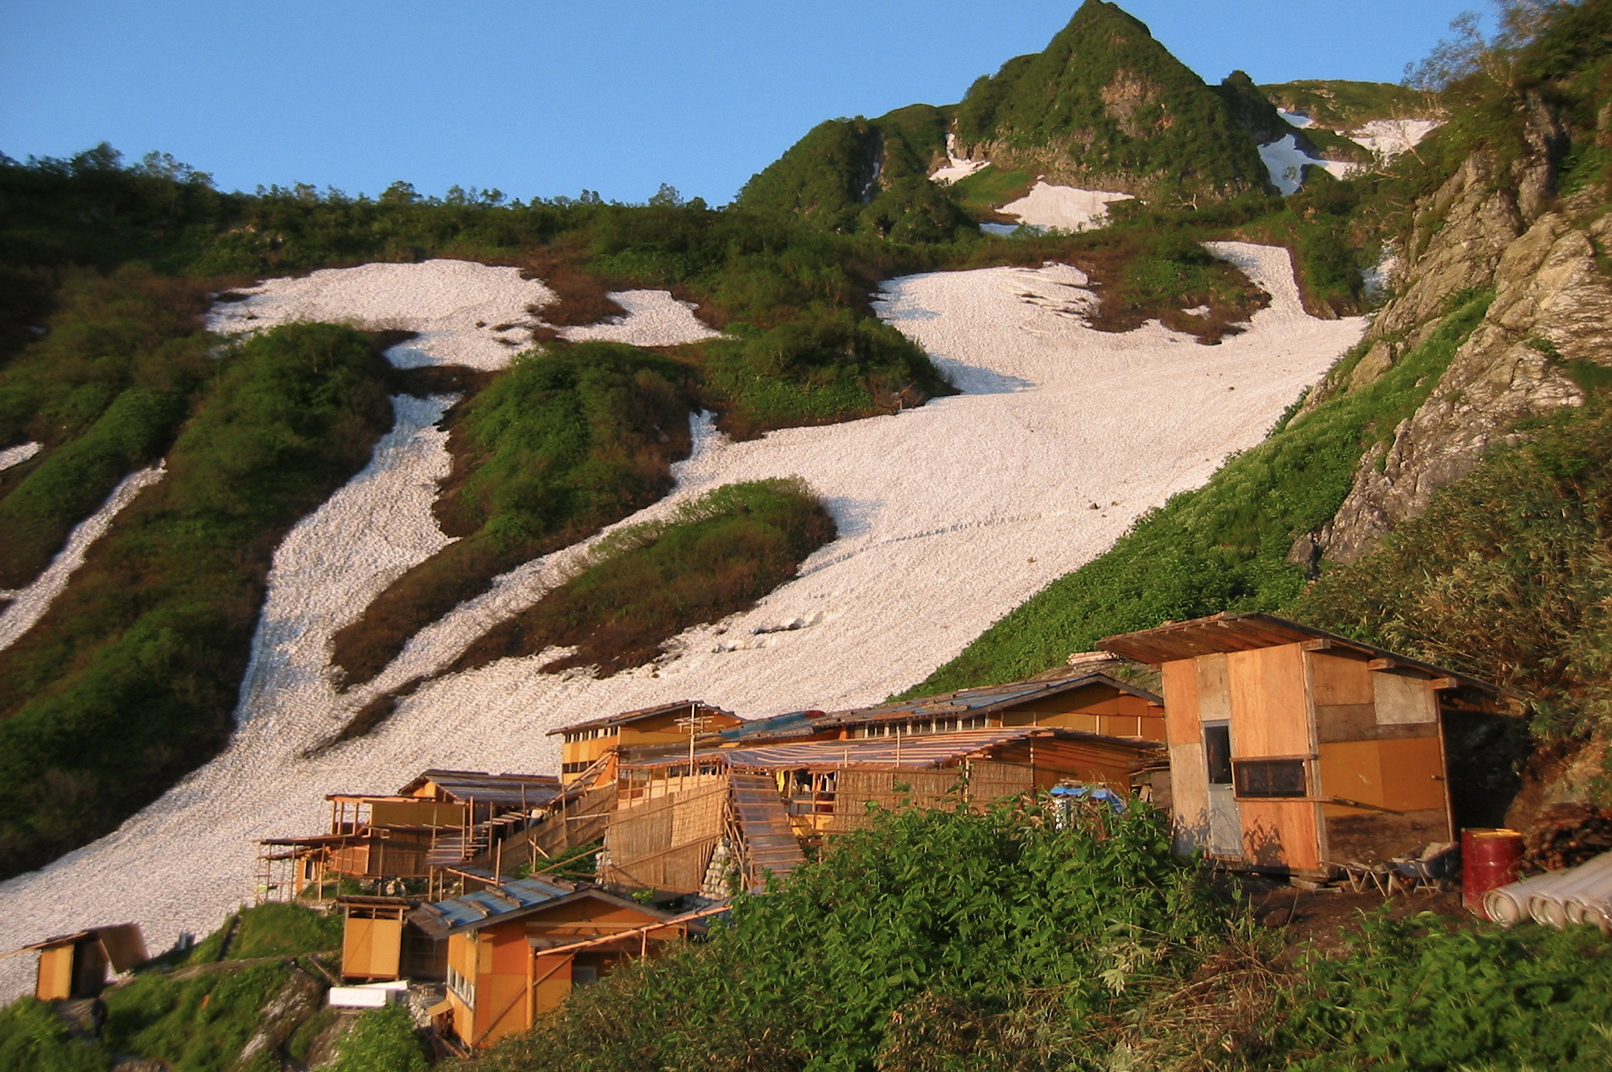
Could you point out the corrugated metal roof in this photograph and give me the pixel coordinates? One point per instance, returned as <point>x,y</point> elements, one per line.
<point>913,751</point>
<point>786,725</point>
<point>472,911</point>
<point>510,790</point>
<point>625,717</point>
<point>1226,632</point>
<point>978,701</point>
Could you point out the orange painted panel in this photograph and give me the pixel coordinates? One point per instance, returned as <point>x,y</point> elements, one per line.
<point>507,943</point>
<point>462,955</point>
<point>1336,680</point>
<point>1270,714</point>
<point>1280,833</point>
<point>55,981</point>
<point>553,975</point>
<point>1411,770</point>
<point>1181,702</point>
<point>1352,770</point>
<point>500,1007</point>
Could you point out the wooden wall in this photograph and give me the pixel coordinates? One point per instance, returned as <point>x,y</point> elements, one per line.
<point>1094,709</point>
<point>371,948</point>
<point>666,843</point>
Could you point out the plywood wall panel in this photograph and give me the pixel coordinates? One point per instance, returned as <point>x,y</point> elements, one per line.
<point>1181,702</point>
<point>1269,702</point>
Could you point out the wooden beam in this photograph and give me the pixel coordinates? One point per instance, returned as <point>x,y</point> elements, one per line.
<point>1318,644</point>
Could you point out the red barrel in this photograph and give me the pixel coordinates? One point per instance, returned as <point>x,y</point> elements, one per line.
<point>1488,861</point>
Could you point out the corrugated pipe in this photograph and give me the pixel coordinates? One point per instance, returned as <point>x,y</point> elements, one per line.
<point>1541,896</point>
<point>1548,905</point>
<point>1592,904</point>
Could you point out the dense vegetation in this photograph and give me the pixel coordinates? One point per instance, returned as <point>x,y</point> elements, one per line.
<point>895,949</point>
<point>650,582</point>
<point>130,679</point>
<point>1105,105</point>
<point>1019,940</point>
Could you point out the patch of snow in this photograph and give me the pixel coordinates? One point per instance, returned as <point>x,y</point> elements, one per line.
<point>1056,208</point>
<point>654,318</point>
<point>1295,119</point>
<point>1379,278</point>
<point>1286,163</point>
<point>957,167</point>
<point>456,307</point>
<point>29,604</point>
<point>17,455</point>
<point>1388,138</point>
<point>1198,310</point>
<point>949,515</point>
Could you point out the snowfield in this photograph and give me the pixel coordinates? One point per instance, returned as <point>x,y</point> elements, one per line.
<point>17,455</point>
<point>1056,208</point>
<point>949,516</point>
<point>1286,163</point>
<point>957,167</point>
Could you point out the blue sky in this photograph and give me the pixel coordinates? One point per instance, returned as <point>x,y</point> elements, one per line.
<point>540,99</point>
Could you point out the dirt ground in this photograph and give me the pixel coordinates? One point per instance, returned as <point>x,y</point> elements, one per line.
<point>1321,919</point>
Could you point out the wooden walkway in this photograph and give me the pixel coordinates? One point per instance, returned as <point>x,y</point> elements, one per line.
<point>763,820</point>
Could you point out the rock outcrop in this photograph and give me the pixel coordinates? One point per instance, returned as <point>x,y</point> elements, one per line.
<point>1552,308</point>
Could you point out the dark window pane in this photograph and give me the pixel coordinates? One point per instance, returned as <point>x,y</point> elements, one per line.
<point>1271,778</point>
<point>1217,750</point>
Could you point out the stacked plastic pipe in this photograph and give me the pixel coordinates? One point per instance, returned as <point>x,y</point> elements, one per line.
<point>1577,895</point>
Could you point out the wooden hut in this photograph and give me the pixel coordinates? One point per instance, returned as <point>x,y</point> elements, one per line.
<point>592,748</point>
<point>1295,750</point>
<point>440,819</point>
<point>1079,699</point>
<point>516,950</point>
<point>75,965</point>
<point>379,944</point>
<point>673,821</point>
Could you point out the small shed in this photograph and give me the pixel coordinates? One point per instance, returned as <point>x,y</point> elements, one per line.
<point>379,944</point>
<point>516,950</point>
<point>1295,750</point>
<point>74,965</point>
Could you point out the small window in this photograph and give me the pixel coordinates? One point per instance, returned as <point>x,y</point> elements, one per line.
<point>1271,778</point>
<point>1217,753</point>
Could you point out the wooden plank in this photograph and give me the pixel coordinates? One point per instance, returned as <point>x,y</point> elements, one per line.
<point>1269,704</point>
<point>1339,680</point>
<point>1214,688</point>
<point>1412,773</point>
<point>1189,790</point>
<point>1281,834</point>
<point>1403,699</point>
<point>1180,686</point>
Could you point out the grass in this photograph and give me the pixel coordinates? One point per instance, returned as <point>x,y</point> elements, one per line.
<point>130,679</point>
<point>646,584</point>
<point>989,188</point>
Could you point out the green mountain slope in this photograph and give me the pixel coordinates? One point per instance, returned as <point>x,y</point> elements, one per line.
<point>1106,106</point>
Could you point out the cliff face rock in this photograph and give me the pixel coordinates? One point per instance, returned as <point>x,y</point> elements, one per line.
<point>1553,306</point>
<point>1456,245</point>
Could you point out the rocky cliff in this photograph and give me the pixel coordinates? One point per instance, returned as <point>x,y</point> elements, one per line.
<point>1499,226</point>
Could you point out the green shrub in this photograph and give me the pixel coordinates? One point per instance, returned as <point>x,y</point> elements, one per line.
<point>34,1039</point>
<point>1414,994</point>
<point>381,1041</point>
<point>647,583</point>
<point>965,910</point>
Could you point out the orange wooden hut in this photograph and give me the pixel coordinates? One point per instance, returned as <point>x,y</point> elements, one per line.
<point>1296,750</point>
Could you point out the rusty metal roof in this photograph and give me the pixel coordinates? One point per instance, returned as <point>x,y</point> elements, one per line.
<point>1226,632</point>
<point>985,700</point>
<point>917,751</point>
<point>612,721</point>
<point>508,790</point>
